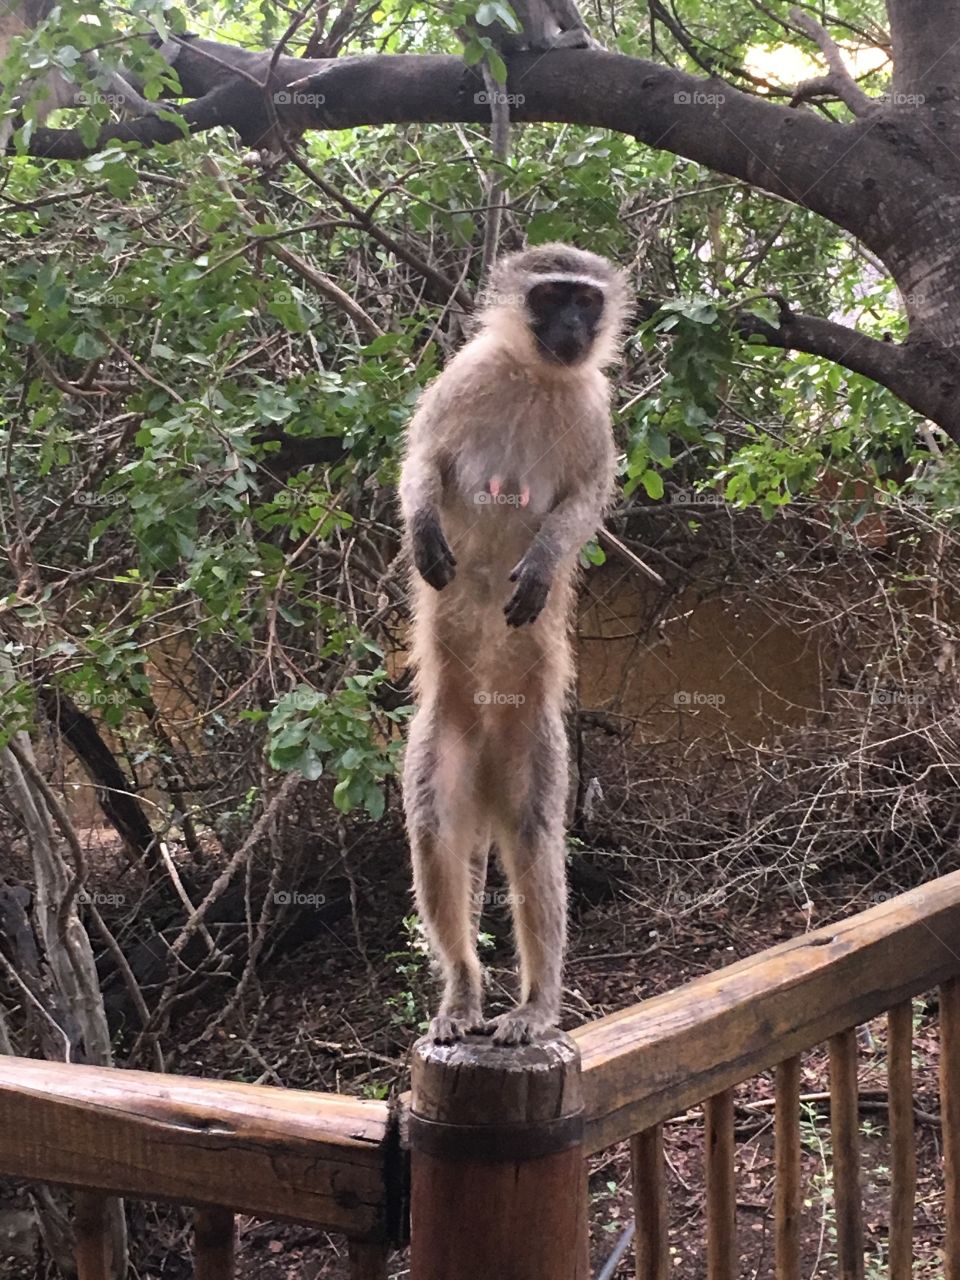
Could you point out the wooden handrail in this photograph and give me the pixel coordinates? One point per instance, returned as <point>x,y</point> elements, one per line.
<point>313,1158</point>
<point>658,1058</point>
<point>333,1161</point>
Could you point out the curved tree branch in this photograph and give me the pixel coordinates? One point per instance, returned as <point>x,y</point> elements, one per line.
<point>924,375</point>
<point>882,177</point>
<point>839,78</point>
<point>792,154</point>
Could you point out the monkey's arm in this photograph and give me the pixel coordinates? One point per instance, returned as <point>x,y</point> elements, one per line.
<point>567,526</point>
<point>421,489</point>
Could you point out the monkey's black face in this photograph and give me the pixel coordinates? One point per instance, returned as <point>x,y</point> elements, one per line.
<point>564,318</point>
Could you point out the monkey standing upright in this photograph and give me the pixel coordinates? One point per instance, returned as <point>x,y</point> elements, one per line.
<point>508,467</point>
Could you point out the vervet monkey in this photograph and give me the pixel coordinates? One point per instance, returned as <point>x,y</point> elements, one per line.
<point>508,468</point>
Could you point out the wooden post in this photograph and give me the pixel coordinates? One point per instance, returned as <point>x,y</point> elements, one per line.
<point>787,1146</point>
<point>92,1232</point>
<point>650,1204</point>
<point>213,1244</point>
<point>721,1187</point>
<point>845,1135</point>
<point>368,1261</point>
<point>903,1153</point>
<point>950,1121</point>
<point>497,1179</point>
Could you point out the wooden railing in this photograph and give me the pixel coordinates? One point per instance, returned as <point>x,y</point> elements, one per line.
<point>694,1044</point>
<point>497,1139</point>
<point>324,1160</point>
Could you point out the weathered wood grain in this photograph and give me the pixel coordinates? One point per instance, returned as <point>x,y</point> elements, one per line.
<point>277,1153</point>
<point>658,1058</point>
<point>496,1162</point>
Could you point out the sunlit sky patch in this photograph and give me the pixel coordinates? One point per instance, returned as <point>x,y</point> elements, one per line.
<point>787,65</point>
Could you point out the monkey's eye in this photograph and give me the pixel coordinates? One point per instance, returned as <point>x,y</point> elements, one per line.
<point>547,294</point>
<point>587,299</point>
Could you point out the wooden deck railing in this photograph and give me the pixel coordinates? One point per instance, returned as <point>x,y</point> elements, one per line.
<point>497,1138</point>
<point>694,1044</point>
<point>324,1160</point>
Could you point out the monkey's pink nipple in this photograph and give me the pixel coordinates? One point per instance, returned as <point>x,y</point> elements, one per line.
<point>525,496</point>
<point>495,485</point>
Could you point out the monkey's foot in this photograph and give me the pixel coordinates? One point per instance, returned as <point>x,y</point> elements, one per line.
<point>520,1025</point>
<point>447,1028</point>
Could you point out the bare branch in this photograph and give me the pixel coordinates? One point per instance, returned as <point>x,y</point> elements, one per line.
<point>839,78</point>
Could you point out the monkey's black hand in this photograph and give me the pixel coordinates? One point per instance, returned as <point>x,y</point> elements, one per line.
<point>533,585</point>
<point>431,552</point>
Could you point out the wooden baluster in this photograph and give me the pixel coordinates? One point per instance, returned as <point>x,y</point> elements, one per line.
<point>903,1155</point>
<point>91,1236</point>
<point>787,1143</point>
<point>649,1203</point>
<point>721,1188</point>
<point>213,1243</point>
<point>367,1261</point>
<point>845,1130</point>
<point>950,1121</point>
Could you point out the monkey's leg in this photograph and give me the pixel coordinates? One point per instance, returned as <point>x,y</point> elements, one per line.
<point>446,841</point>
<point>537,874</point>
<point>533,852</point>
<point>478,886</point>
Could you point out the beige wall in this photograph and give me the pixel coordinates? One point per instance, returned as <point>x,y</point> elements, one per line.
<point>739,672</point>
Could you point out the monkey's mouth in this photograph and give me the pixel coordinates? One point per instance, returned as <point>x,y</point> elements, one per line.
<point>565,351</point>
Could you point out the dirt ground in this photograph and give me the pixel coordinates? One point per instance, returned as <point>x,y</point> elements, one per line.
<point>340,1012</point>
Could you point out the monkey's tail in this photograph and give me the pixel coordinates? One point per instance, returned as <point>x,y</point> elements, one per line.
<point>497,195</point>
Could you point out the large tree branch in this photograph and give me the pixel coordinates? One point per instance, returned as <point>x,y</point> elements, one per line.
<point>874,177</point>
<point>810,161</point>
<point>925,375</point>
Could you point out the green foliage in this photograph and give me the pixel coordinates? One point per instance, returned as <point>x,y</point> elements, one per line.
<point>16,704</point>
<point>63,42</point>
<point>409,1008</point>
<point>313,733</point>
<point>472,21</point>
<point>159,368</point>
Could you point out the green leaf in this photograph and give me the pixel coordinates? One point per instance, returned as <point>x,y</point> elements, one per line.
<point>88,347</point>
<point>498,68</point>
<point>652,481</point>
<point>342,795</point>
